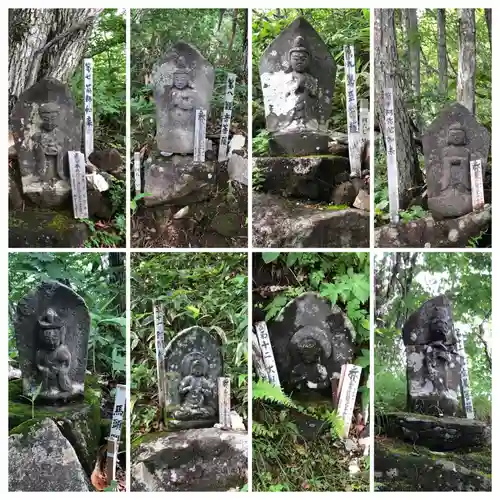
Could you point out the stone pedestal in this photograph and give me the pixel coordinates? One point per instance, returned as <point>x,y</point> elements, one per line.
<point>298,143</point>
<point>177,180</point>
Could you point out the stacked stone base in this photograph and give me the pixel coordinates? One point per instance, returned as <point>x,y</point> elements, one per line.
<point>416,452</point>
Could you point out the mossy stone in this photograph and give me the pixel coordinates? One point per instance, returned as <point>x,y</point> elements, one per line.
<point>79,422</point>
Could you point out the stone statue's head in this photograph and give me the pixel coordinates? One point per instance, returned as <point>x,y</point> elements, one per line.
<point>51,330</point>
<point>181,74</point>
<point>299,56</point>
<point>49,113</point>
<point>439,327</point>
<point>456,135</point>
<point>309,349</point>
<point>198,368</point>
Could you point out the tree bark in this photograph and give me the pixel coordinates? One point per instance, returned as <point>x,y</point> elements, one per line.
<point>442,59</point>
<point>487,15</point>
<point>466,79</point>
<point>34,52</point>
<point>413,41</point>
<point>387,75</point>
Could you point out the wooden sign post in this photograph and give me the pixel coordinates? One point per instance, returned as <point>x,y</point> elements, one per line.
<point>88,103</point>
<point>267,353</point>
<point>353,132</point>
<point>364,122</point>
<point>78,181</point>
<point>115,431</point>
<point>224,389</point>
<point>476,177</point>
<point>160,350</point>
<point>226,116</point>
<point>392,166</point>
<point>464,379</point>
<point>200,130</point>
<point>348,391</point>
<point>137,172</point>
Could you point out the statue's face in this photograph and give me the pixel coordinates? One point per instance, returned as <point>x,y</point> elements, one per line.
<point>181,80</point>
<point>51,338</point>
<point>309,350</point>
<point>299,61</point>
<point>456,137</point>
<point>49,118</point>
<point>197,369</point>
<point>439,328</point>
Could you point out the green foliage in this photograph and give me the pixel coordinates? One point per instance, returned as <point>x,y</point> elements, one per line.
<point>465,278</point>
<point>106,47</point>
<point>260,143</point>
<point>220,36</point>
<point>204,289</point>
<point>99,280</point>
<point>337,27</point>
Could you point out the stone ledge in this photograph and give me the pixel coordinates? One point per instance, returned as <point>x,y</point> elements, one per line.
<point>423,233</point>
<point>282,223</point>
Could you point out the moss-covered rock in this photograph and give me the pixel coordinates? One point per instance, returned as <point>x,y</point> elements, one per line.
<point>79,422</point>
<point>39,228</point>
<point>402,467</point>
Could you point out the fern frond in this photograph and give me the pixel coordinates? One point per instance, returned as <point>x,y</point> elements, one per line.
<point>263,390</point>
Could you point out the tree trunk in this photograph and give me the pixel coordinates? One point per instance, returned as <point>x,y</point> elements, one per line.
<point>387,75</point>
<point>487,15</point>
<point>413,41</point>
<point>466,79</point>
<point>442,59</point>
<point>46,43</point>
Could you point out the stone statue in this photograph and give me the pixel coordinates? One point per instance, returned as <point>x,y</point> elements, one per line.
<point>311,340</point>
<point>450,143</point>
<point>312,345</point>
<point>196,390</point>
<point>46,125</point>
<point>53,359</point>
<point>193,363</point>
<point>183,81</point>
<point>52,329</point>
<point>297,75</point>
<point>433,361</point>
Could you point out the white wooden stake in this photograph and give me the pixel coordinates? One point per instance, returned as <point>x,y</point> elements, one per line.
<point>476,176</point>
<point>111,460</point>
<point>224,389</point>
<point>118,412</point>
<point>88,103</point>
<point>200,129</point>
<point>392,165</point>
<point>78,181</point>
<point>348,393</point>
<point>267,352</point>
<point>137,172</point>
<point>160,351</point>
<point>226,116</point>
<point>353,132</point>
<point>464,379</point>
<point>364,122</point>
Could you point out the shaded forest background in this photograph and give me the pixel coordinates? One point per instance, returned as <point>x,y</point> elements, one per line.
<point>221,37</point>
<point>403,282</point>
<point>203,289</point>
<point>337,27</point>
<point>435,57</point>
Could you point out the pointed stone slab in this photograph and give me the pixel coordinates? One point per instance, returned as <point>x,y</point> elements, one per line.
<point>53,347</point>
<point>46,125</point>
<point>297,99</point>
<point>183,81</point>
<point>448,165</point>
<point>193,364</point>
<point>311,340</point>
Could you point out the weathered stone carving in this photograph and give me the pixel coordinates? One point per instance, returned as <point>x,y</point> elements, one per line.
<point>311,340</point>
<point>297,76</point>
<point>46,125</point>
<point>452,141</point>
<point>52,328</point>
<point>193,363</point>
<point>183,82</point>
<point>433,361</point>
